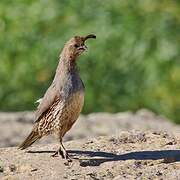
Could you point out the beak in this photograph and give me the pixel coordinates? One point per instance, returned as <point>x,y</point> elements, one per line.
<point>83,48</point>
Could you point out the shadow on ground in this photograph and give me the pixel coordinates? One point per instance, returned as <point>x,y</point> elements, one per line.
<point>93,158</point>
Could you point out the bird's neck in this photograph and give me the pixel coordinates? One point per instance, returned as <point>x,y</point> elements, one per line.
<point>66,67</point>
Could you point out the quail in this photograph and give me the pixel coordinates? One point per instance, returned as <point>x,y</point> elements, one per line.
<point>62,103</point>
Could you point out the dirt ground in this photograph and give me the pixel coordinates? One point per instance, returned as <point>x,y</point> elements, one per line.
<point>122,156</point>
<point>14,127</point>
<point>102,146</point>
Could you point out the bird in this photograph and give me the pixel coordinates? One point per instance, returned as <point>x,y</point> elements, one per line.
<point>63,101</point>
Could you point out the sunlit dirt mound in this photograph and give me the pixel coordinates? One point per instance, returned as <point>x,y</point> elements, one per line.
<point>124,155</point>
<point>14,127</point>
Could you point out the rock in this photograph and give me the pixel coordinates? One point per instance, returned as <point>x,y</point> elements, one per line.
<point>12,168</point>
<point>1,169</point>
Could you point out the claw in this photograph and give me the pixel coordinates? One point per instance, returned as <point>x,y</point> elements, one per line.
<point>63,153</point>
<point>58,153</point>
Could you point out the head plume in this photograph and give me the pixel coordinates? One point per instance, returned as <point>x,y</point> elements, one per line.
<point>76,46</point>
<point>89,36</point>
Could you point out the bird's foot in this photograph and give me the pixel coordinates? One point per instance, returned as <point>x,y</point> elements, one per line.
<point>57,153</point>
<point>63,153</point>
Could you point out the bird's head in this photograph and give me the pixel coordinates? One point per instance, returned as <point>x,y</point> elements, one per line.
<point>76,46</point>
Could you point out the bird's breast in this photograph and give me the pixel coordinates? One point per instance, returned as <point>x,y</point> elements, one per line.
<point>72,98</point>
<point>75,102</point>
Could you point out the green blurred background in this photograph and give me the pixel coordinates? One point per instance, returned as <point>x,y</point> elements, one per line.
<point>133,64</point>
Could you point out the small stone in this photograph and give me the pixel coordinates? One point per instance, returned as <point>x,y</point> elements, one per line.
<point>85,163</point>
<point>169,143</point>
<point>173,142</point>
<point>90,142</point>
<point>159,173</point>
<point>169,160</point>
<point>93,175</point>
<point>68,162</point>
<point>156,132</point>
<point>137,164</point>
<point>139,174</point>
<point>110,174</point>
<point>1,169</point>
<point>12,168</point>
<point>165,135</point>
<point>35,169</point>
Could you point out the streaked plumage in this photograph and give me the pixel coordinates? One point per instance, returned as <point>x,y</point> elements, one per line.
<point>63,101</point>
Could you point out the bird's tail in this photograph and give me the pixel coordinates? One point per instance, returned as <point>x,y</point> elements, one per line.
<point>33,136</point>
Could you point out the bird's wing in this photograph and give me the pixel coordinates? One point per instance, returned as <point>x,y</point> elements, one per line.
<point>46,102</point>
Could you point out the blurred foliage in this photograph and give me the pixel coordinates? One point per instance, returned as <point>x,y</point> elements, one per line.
<point>134,63</point>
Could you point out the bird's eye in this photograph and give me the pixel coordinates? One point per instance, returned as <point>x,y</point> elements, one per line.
<point>76,45</point>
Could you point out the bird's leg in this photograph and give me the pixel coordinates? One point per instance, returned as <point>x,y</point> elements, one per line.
<point>59,151</point>
<point>64,152</point>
